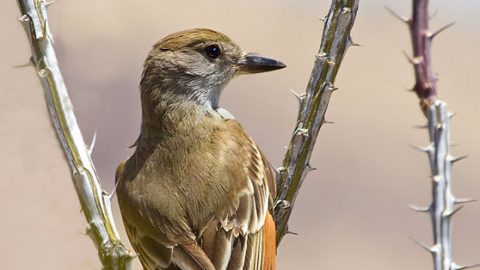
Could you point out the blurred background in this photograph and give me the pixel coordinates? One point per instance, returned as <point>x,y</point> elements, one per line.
<point>352,211</point>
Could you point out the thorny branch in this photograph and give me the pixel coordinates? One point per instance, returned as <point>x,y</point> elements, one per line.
<point>444,205</point>
<point>95,203</point>
<point>313,105</point>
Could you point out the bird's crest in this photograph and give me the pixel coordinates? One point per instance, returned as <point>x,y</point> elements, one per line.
<point>191,37</point>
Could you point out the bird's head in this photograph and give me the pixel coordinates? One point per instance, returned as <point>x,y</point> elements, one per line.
<point>195,65</point>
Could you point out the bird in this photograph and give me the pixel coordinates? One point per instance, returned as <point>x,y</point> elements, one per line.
<point>197,193</point>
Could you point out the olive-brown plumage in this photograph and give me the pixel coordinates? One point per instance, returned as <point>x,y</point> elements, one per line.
<point>197,192</point>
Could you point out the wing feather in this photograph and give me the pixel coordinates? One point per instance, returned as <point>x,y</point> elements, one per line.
<point>247,247</point>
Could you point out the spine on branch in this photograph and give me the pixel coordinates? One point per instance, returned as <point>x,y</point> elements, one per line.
<point>95,203</point>
<point>313,105</point>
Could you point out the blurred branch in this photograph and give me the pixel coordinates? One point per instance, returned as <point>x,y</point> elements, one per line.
<point>444,204</point>
<point>94,202</point>
<point>313,105</point>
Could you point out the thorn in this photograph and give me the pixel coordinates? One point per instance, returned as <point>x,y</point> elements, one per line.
<point>300,97</point>
<point>352,43</point>
<point>420,209</point>
<point>427,248</point>
<point>434,34</point>
<point>328,122</point>
<point>88,232</point>
<point>310,168</point>
<point>92,144</point>
<point>48,4</point>
<point>454,144</point>
<point>412,89</point>
<point>456,159</point>
<point>396,15</point>
<point>110,196</point>
<point>433,14</point>
<point>330,87</point>
<point>464,200</point>
<point>455,266</point>
<point>451,115</point>
<point>24,18</point>
<point>290,232</point>
<point>450,214</point>
<point>414,61</point>
<point>420,126</point>
<point>29,63</point>
<point>426,149</point>
<point>322,18</point>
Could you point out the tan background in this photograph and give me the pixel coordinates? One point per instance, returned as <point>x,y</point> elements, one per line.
<point>352,212</point>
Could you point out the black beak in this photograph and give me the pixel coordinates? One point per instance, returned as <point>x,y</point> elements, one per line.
<point>252,63</point>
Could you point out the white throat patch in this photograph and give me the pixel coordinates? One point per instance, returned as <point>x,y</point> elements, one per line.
<point>224,113</point>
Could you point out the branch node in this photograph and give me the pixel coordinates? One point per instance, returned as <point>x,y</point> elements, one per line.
<point>437,178</point>
<point>346,10</point>
<point>42,72</point>
<point>302,132</point>
<point>281,170</point>
<point>283,204</point>
<point>321,56</point>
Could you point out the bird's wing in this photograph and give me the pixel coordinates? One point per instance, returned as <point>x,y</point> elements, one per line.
<point>246,238</point>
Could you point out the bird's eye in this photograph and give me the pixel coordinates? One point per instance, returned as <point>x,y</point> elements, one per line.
<point>213,51</point>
